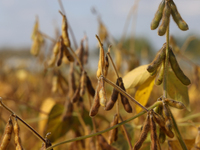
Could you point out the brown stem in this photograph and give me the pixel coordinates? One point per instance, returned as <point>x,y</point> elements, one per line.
<point>48,37</point>
<point>124,93</point>
<point>126,133</point>
<point>108,54</point>
<point>28,126</point>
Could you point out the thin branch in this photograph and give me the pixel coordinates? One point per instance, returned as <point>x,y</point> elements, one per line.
<point>124,93</point>
<point>28,126</point>
<point>166,64</point>
<point>106,130</point>
<point>108,54</point>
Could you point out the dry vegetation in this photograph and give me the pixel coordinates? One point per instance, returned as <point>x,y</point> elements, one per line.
<point>118,105</point>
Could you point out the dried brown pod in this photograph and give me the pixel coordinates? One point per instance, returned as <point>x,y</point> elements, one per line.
<point>81,51</point>
<point>56,48</point>
<point>176,69</point>
<point>113,98</point>
<point>68,54</point>
<point>83,83</point>
<point>36,45</point>
<point>65,31</point>
<point>162,136</point>
<point>175,104</point>
<point>166,112</point>
<point>113,133</point>
<point>86,52</point>
<point>143,136</point>
<point>16,130</point>
<point>165,19</point>
<point>7,135</point>
<point>158,16</point>
<point>153,133</point>
<point>104,144</point>
<point>68,110</point>
<point>177,17</point>
<point>159,119</point>
<point>90,87</point>
<point>160,56</point>
<point>96,104</point>
<point>106,66</point>
<point>124,100</point>
<point>101,63</point>
<point>59,61</point>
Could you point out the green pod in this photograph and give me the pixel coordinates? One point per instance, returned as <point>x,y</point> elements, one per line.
<point>177,17</point>
<point>158,16</point>
<point>159,77</point>
<point>175,104</point>
<point>160,56</point>
<point>177,70</point>
<point>165,19</point>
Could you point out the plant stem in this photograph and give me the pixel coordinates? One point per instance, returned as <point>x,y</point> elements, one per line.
<point>166,64</point>
<point>178,135</point>
<point>28,126</point>
<point>124,93</point>
<point>106,130</point>
<point>48,37</point>
<point>93,123</point>
<point>108,54</point>
<point>189,117</point>
<point>126,134</point>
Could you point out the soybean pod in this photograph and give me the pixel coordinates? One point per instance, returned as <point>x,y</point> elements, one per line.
<point>160,56</point>
<point>159,77</point>
<point>177,17</point>
<point>177,70</point>
<point>165,19</point>
<point>158,16</point>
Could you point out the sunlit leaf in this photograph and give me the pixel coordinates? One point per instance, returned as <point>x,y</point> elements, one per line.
<point>121,143</point>
<point>176,90</point>
<point>174,144</point>
<point>136,77</point>
<point>143,93</point>
<point>46,108</point>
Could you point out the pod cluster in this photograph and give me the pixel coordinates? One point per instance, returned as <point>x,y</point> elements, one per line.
<point>158,64</point>
<point>10,128</point>
<point>114,97</point>
<point>165,9</point>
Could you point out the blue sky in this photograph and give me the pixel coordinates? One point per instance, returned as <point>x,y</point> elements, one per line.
<point>17,18</point>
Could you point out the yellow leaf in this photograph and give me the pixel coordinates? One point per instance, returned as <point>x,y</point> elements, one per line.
<point>143,93</point>
<point>46,107</point>
<point>136,77</point>
<point>176,90</point>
